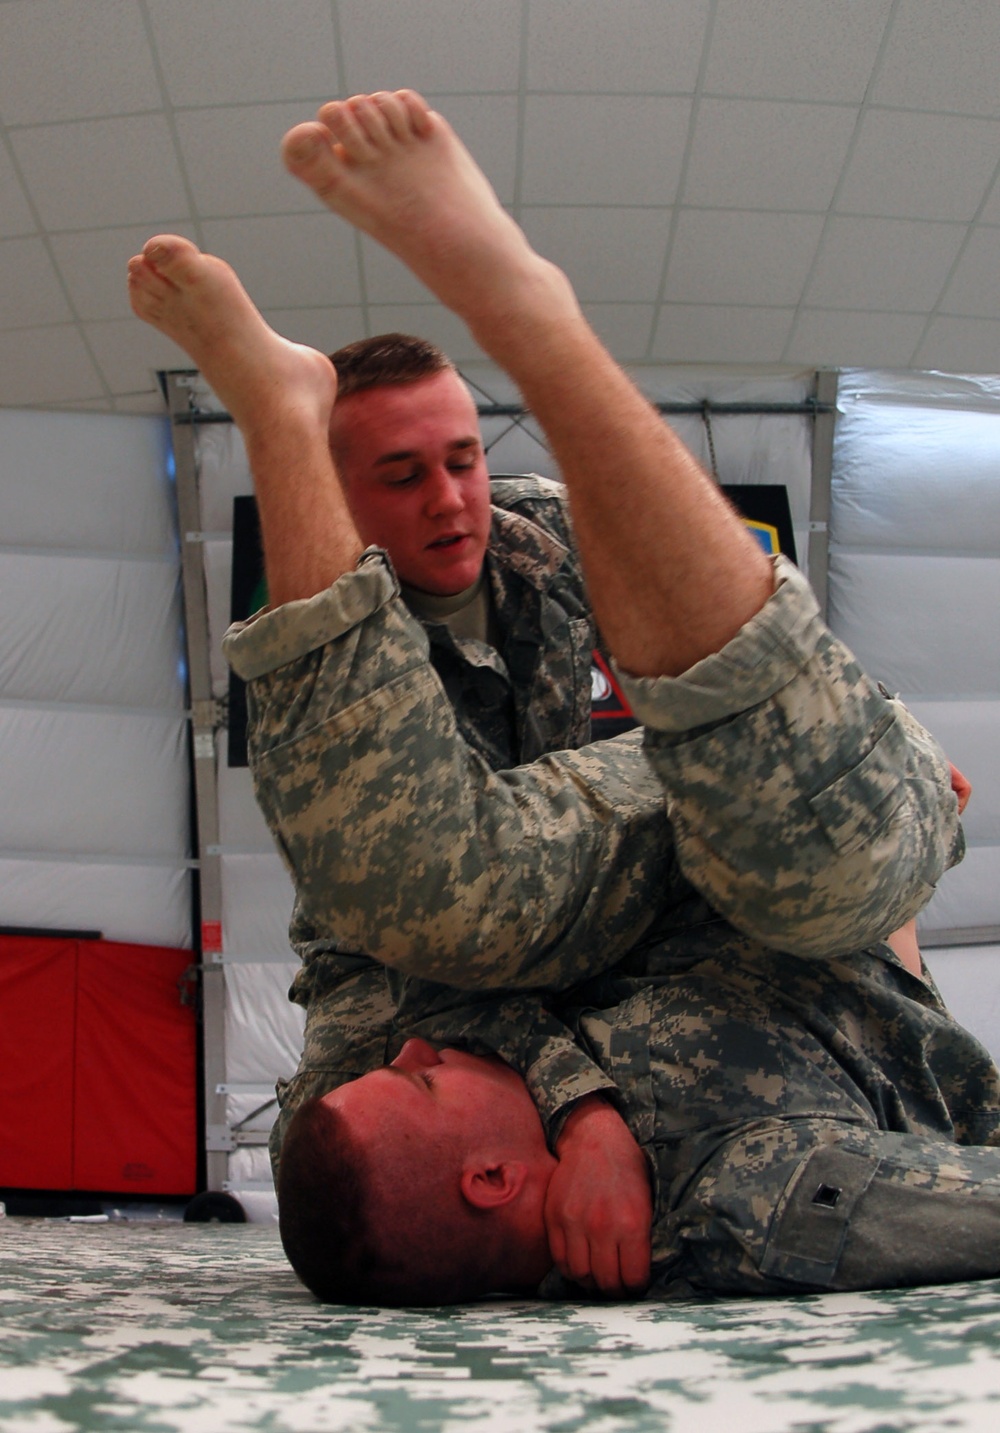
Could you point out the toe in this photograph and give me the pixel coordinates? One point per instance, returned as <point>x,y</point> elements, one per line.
<point>343,120</point>
<point>395,115</point>
<point>417,111</point>
<point>170,254</point>
<point>370,123</point>
<point>306,149</point>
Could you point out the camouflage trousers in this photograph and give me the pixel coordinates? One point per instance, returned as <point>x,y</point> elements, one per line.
<point>807,807</point>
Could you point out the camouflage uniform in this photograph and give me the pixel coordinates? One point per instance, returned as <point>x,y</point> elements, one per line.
<point>533,695</point>
<point>513,705</point>
<point>795,787</point>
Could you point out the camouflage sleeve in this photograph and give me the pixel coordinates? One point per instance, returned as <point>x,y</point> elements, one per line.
<point>401,842</point>
<point>349,1015</point>
<point>519,1028</point>
<point>811,810</point>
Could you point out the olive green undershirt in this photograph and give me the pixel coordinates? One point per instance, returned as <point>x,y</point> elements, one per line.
<point>468,613</point>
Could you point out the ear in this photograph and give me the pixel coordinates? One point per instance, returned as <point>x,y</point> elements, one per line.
<point>489,1184</point>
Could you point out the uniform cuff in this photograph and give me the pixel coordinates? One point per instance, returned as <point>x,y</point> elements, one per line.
<point>276,636</point>
<point>763,657</point>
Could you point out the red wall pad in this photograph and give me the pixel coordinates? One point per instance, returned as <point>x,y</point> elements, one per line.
<point>101,1070</point>
<point>37,1019</point>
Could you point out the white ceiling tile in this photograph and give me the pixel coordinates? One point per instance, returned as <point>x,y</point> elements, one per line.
<point>730,257</point>
<point>46,366</point>
<point>321,328</point>
<point>429,321</point>
<point>15,213</point>
<point>62,60</point>
<point>920,166</point>
<point>603,149</point>
<point>133,403</point>
<point>609,254</point>
<point>129,353</point>
<point>489,384</point>
<point>232,158</point>
<point>240,51</point>
<point>290,262</point>
<point>942,56</point>
<point>127,117</point>
<point>838,338</point>
<point>623,328</point>
<point>31,292</point>
<point>102,172</point>
<point>785,49</point>
<point>436,46</point>
<point>387,279</point>
<point>93,267</point>
<point>632,46</point>
<point>707,333</point>
<point>757,154</point>
<point>489,127</point>
<point>973,289</point>
<point>883,264</point>
<point>961,345</point>
<point>991,209</point>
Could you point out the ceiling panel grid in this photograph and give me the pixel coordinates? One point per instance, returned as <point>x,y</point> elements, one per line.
<point>801,182</point>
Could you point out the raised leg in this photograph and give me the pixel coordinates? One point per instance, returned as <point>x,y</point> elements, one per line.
<point>672,570</point>
<point>279,394</point>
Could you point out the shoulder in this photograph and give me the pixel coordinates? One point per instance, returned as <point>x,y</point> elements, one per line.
<point>540,500</point>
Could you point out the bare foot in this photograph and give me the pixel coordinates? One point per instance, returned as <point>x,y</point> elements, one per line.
<point>197,300</point>
<point>393,167</point>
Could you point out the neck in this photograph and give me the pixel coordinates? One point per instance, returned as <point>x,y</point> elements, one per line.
<point>525,1254</point>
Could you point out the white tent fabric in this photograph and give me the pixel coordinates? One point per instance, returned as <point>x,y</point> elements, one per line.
<point>70,624</point>
<point>915,584</point>
<point>141,902</point>
<point>94,782</point>
<point>914,590</point>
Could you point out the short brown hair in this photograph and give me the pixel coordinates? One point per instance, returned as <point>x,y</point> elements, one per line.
<point>386,359</point>
<point>327,1198</point>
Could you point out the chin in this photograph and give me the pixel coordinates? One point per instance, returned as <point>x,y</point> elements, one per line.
<point>446,582</point>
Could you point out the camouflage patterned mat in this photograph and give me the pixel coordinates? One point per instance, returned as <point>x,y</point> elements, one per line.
<point>202,1327</point>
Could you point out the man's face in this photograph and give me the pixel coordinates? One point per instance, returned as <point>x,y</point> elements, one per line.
<point>411,458</point>
<point>427,1092</point>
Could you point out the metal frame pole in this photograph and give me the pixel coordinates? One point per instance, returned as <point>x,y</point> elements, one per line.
<point>204,721</point>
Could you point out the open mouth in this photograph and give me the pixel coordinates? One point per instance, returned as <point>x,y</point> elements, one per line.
<point>451,541</point>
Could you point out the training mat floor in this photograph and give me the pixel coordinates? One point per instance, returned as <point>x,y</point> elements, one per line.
<point>190,1327</point>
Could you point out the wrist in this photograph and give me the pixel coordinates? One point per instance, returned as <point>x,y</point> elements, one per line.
<point>589,1117</point>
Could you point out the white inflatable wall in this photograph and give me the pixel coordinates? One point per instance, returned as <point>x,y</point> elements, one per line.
<point>94,780</point>
<point>914,589</point>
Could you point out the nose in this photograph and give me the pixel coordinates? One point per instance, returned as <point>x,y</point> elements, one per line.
<point>444,494</point>
<point>416,1055</point>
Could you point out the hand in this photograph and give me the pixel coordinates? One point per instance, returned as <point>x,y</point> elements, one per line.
<point>599,1206</point>
<point>961,786</point>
